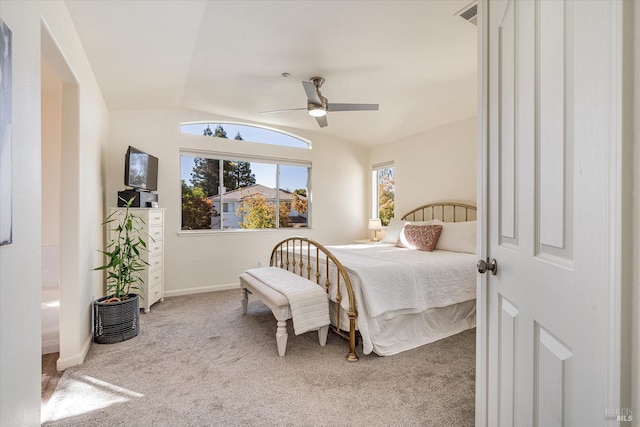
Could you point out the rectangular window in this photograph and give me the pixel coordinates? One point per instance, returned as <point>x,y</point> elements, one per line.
<point>383,192</point>
<point>253,194</point>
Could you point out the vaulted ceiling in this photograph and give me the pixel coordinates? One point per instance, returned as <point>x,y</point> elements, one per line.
<point>417,59</point>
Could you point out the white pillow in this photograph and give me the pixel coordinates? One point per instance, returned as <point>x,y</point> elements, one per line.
<point>457,236</point>
<point>393,231</point>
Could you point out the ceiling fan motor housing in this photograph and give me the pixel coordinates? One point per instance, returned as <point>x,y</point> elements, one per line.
<point>317,110</point>
<point>317,81</point>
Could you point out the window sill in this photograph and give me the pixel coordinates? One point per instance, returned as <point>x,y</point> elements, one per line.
<point>193,233</point>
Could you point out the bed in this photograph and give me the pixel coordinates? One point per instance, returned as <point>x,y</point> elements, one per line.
<point>391,295</point>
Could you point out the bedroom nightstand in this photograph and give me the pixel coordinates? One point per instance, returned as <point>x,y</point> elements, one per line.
<point>366,242</point>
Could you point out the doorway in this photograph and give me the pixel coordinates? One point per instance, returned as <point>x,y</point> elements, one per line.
<point>51,119</point>
<point>51,141</point>
<point>60,116</point>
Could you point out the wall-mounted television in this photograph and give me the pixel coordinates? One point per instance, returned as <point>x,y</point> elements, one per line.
<point>140,170</point>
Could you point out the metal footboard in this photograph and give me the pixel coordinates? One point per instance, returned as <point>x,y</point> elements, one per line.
<point>313,261</point>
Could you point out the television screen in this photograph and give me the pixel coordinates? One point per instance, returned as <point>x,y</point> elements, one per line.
<point>140,170</point>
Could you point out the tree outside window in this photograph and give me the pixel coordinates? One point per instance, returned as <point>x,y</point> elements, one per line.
<point>253,133</point>
<point>247,198</point>
<point>384,193</point>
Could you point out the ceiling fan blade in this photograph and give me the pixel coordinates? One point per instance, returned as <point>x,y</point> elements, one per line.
<point>312,93</point>
<point>332,106</point>
<point>322,121</point>
<point>282,111</point>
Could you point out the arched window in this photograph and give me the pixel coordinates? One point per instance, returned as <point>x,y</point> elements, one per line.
<point>244,132</point>
<point>224,191</point>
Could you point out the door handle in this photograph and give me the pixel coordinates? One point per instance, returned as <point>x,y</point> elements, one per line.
<point>490,264</point>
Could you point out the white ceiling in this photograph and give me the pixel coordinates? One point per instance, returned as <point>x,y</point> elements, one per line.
<point>415,58</point>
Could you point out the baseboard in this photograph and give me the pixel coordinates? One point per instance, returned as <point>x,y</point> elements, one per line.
<point>191,291</point>
<point>50,346</point>
<point>68,362</point>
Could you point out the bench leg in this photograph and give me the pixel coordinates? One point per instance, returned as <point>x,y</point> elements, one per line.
<point>281,337</point>
<point>322,335</point>
<point>245,300</point>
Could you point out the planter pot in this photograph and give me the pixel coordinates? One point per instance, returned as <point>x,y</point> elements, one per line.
<point>116,321</point>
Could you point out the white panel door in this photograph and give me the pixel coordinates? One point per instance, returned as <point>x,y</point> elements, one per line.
<point>551,128</point>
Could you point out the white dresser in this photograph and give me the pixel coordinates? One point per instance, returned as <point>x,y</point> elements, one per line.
<point>152,290</point>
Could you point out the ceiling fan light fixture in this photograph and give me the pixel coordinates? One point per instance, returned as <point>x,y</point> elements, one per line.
<point>317,111</point>
<point>318,106</point>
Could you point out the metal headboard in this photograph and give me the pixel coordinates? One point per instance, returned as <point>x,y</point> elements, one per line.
<point>444,211</point>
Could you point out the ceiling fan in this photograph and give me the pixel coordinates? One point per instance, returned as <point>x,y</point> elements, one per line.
<point>318,106</point>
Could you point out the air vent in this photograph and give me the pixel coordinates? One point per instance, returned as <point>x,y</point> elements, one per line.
<point>470,13</point>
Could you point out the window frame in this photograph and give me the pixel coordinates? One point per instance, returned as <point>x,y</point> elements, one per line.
<point>375,195</point>
<point>227,156</point>
<point>262,127</point>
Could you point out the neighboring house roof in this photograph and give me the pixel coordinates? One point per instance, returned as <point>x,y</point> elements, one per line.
<point>298,219</point>
<point>252,190</point>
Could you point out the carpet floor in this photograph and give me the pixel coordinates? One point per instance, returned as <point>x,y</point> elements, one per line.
<point>199,362</point>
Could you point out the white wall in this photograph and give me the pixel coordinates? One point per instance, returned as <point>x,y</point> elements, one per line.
<point>20,262</point>
<point>435,165</point>
<point>84,135</point>
<point>199,263</point>
<point>51,118</point>
<point>51,152</point>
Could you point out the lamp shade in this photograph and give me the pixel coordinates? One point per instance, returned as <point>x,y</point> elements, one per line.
<point>375,224</point>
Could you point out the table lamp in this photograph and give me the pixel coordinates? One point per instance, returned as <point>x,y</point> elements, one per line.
<point>375,225</point>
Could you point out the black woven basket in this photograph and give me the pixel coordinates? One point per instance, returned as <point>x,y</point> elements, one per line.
<point>116,321</point>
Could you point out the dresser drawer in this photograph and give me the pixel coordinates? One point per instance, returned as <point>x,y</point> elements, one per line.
<point>155,293</point>
<point>155,248</point>
<point>155,262</point>
<point>156,233</point>
<point>155,278</point>
<point>155,219</point>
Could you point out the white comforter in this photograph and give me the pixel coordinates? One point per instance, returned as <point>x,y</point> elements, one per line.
<point>401,281</point>
<point>406,298</point>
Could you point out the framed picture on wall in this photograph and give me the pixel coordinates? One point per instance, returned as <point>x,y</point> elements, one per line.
<point>5,135</point>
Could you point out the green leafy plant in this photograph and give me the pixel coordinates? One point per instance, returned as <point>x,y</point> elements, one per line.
<point>123,252</point>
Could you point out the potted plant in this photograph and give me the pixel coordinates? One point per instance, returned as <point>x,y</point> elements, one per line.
<point>116,316</point>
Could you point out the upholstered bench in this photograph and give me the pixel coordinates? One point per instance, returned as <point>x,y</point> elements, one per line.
<point>262,283</point>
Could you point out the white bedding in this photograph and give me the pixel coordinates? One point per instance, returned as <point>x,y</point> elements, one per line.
<point>403,281</point>
<point>406,298</point>
<point>387,337</point>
